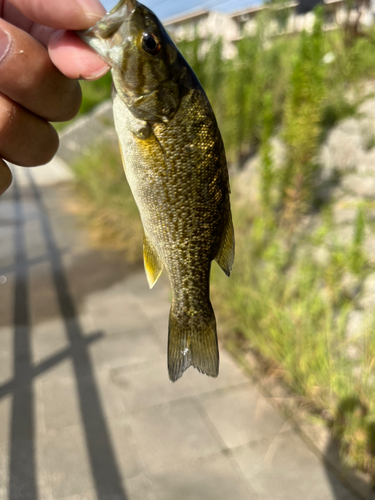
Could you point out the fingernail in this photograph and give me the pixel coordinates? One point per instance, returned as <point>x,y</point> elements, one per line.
<point>98,74</point>
<point>5,44</point>
<point>92,8</point>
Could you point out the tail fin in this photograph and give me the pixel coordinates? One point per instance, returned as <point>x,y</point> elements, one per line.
<point>192,340</point>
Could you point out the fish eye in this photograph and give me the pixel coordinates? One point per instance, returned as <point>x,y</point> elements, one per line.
<point>150,44</point>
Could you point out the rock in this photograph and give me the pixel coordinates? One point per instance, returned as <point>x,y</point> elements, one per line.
<point>350,285</point>
<point>362,186</point>
<point>342,150</point>
<point>343,215</point>
<point>367,108</point>
<point>355,324</point>
<point>342,235</point>
<point>366,163</point>
<point>246,184</point>
<point>369,248</point>
<point>278,152</point>
<point>353,352</point>
<point>367,301</point>
<point>321,255</point>
<point>325,160</point>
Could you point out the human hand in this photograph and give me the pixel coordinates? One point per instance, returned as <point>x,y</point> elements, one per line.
<point>40,63</point>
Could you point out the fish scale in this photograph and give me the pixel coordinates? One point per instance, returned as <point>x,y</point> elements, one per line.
<point>175,164</point>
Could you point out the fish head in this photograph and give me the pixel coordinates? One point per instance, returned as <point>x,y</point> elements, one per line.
<point>147,67</point>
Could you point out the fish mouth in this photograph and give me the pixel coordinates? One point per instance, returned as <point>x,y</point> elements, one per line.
<point>99,36</point>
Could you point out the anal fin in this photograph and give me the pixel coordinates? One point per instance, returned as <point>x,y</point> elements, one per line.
<point>225,255</point>
<point>152,262</point>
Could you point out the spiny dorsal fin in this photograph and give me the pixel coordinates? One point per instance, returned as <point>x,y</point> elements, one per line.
<point>225,255</point>
<point>152,262</point>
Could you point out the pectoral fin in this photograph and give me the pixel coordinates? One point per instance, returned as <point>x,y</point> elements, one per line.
<point>152,262</point>
<point>225,256</point>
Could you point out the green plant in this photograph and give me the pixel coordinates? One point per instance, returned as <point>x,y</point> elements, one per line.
<point>357,258</point>
<point>302,121</point>
<point>109,204</point>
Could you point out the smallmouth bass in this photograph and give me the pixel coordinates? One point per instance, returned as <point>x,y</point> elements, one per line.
<point>175,164</point>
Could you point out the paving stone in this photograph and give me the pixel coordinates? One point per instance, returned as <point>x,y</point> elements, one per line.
<point>110,394</point>
<point>7,209</point>
<point>170,434</point>
<point>157,311</point>
<point>126,348</point>
<point>148,384</point>
<point>5,415</point>
<point>4,469</point>
<point>116,313</point>
<point>139,488</point>
<point>68,460</point>
<point>136,285</point>
<point>212,478</point>
<point>48,338</point>
<point>23,476</point>
<point>284,468</point>
<point>87,495</point>
<point>124,445</point>
<point>156,307</point>
<point>66,236</point>
<point>34,238</point>
<point>229,375</point>
<point>60,397</point>
<point>160,327</point>
<point>7,256</point>
<point>54,172</point>
<point>241,414</point>
<point>6,354</point>
<point>42,295</point>
<point>7,291</point>
<point>41,465</point>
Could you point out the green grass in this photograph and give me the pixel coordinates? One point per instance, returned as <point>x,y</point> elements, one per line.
<point>108,203</point>
<point>291,310</point>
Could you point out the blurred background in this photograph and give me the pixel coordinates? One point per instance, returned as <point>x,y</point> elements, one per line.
<point>293,89</point>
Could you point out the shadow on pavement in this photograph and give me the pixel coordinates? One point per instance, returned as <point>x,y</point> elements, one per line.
<point>105,471</point>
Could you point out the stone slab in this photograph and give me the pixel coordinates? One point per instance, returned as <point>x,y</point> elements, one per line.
<point>211,478</point>
<point>125,348</point>
<point>148,384</point>
<point>170,434</point>
<point>284,468</point>
<point>241,414</point>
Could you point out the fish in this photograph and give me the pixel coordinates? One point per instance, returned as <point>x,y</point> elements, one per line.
<point>174,161</point>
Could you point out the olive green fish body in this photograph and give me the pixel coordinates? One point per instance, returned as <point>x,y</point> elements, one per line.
<point>175,164</point>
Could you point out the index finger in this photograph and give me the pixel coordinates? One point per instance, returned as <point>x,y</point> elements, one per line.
<point>65,15</point>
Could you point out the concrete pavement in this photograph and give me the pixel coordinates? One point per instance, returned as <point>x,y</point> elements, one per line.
<point>86,408</point>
